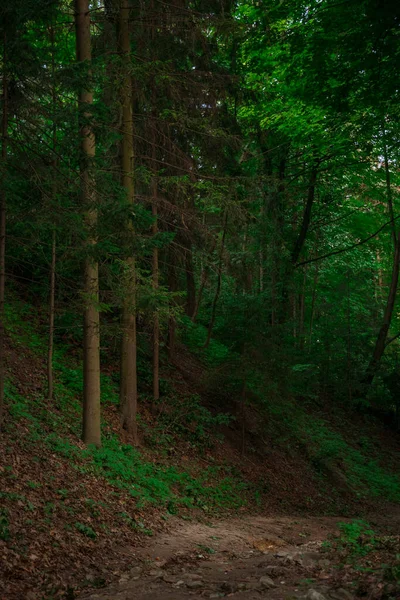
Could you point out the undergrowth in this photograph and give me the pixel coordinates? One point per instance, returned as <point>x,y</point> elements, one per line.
<point>124,467</point>
<point>294,427</point>
<point>291,424</point>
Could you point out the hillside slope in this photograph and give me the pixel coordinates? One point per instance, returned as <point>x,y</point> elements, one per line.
<point>70,514</point>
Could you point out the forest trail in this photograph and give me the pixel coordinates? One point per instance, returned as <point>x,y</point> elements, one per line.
<point>252,557</point>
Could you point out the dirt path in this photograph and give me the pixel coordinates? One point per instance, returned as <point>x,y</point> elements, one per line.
<point>245,558</point>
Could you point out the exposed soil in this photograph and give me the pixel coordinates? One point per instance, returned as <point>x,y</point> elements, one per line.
<point>244,558</point>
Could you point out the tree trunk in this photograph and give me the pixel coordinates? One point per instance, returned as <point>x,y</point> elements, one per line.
<point>203,280</point>
<point>154,210</point>
<point>388,185</point>
<point>50,351</point>
<point>380,343</point>
<point>302,308</point>
<point>91,332</point>
<point>128,389</point>
<point>3,200</point>
<point>243,415</point>
<point>349,375</point>
<point>173,286</point>
<point>387,319</point>
<point>218,290</point>
<point>313,298</point>
<point>190,281</point>
<point>306,217</point>
<point>156,323</point>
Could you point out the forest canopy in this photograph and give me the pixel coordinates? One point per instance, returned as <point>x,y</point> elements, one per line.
<point>222,173</point>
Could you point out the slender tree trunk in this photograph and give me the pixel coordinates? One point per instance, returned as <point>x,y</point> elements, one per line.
<point>302,308</point>
<point>243,415</point>
<point>173,286</point>
<point>388,185</point>
<point>190,281</point>
<point>380,276</point>
<point>91,331</point>
<point>313,298</point>
<point>50,378</point>
<point>203,281</point>
<point>218,290</point>
<point>306,217</point>
<point>204,278</point>
<point>294,313</point>
<point>273,296</point>
<point>349,377</point>
<point>387,319</point>
<point>128,389</point>
<point>156,323</point>
<point>154,210</point>
<point>380,343</point>
<point>50,350</point>
<point>3,201</point>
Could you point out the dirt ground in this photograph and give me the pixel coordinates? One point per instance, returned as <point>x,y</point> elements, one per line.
<point>245,558</point>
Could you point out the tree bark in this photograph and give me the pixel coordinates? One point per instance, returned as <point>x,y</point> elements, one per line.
<point>203,280</point>
<point>243,415</point>
<point>154,210</point>
<point>313,298</point>
<point>156,324</point>
<point>298,247</point>
<point>50,349</point>
<point>50,377</point>
<point>388,185</point>
<point>3,202</point>
<point>387,319</point>
<point>173,286</point>
<point>380,343</point>
<point>128,389</point>
<point>156,320</point>
<point>91,344</point>
<point>190,281</point>
<point>218,290</point>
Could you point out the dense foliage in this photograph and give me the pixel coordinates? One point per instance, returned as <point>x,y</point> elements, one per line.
<point>257,217</point>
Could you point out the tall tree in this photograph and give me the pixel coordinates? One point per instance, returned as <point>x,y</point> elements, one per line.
<point>91,344</point>
<point>3,201</point>
<point>128,391</point>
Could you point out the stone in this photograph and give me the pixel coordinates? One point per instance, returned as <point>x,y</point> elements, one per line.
<point>324,562</point>
<point>307,559</point>
<point>275,570</point>
<point>253,586</point>
<point>170,578</point>
<point>341,594</point>
<point>229,587</point>
<point>314,595</point>
<point>194,585</point>
<point>156,573</point>
<point>267,582</point>
<point>193,576</point>
<point>136,571</point>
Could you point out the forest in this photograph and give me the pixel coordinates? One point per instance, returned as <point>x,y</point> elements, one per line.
<point>199,308</point>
